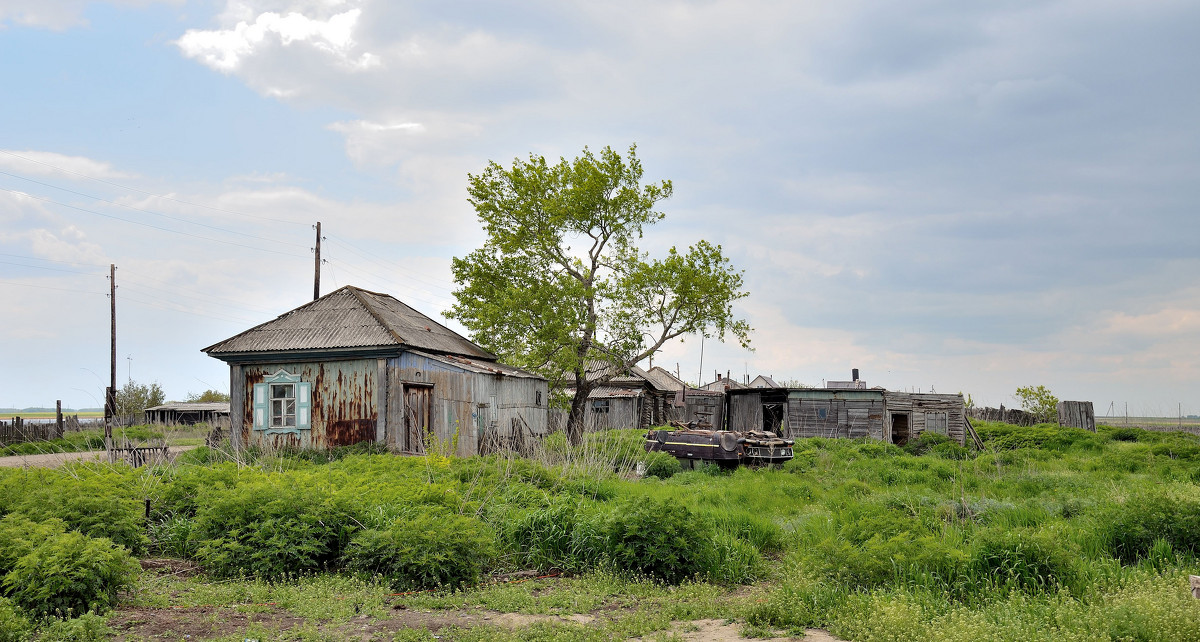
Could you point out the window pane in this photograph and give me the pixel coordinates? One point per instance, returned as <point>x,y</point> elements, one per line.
<point>291,407</point>
<point>290,420</point>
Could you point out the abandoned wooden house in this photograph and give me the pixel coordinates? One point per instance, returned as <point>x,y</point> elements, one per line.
<point>357,366</point>
<point>847,412</point>
<point>188,413</point>
<point>641,398</point>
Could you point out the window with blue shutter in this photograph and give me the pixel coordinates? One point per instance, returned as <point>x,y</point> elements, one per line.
<point>283,404</point>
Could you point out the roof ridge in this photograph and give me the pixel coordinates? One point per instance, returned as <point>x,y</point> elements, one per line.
<point>358,295</point>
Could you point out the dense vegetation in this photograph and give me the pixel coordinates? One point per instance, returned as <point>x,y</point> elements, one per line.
<point>1049,533</point>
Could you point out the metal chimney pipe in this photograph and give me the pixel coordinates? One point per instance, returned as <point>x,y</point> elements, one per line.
<point>854,374</point>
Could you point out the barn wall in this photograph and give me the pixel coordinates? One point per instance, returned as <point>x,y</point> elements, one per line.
<point>921,404</point>
<point>344,407</point>
<point>623,413</point>
<point>745,411</point>
<point>470,407</point>
<point>835,413</point>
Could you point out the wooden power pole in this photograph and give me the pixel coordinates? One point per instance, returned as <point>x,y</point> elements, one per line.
<point>110,400</point>
<point>317,265</point>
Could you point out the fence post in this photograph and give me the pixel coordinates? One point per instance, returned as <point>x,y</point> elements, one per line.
<point>58,420</point>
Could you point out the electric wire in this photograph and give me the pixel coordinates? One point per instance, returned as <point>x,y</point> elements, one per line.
<point>382,262</point>
<point>141,191</point>
<point>155,227</point>
<point>145,211</point>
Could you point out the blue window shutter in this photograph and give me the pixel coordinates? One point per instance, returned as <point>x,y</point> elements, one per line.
<point>303,405</point>
<point>260,406</point>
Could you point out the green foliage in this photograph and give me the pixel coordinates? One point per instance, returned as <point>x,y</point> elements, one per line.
<point>661,465</point>
<point>19,535</point>
<point>1040,402</point>
<point>924,442</point>
<point>1023,559</point>
<point>1132,529</point>
<point>208,396</point>
<point>98,503</point>
<point>561,536</point>
<point>1049,437</point>
<point>269,528</point>
<point>88,627</point>
<point>134,397</point>
<point>70,573</point>
<point>531,296</point>
<point>432,549</point>
<point>14,626</point>
<point>658,539</point>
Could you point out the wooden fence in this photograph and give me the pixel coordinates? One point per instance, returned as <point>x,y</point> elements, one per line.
<point>1002,414</point>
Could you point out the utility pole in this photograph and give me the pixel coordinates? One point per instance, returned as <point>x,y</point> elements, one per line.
<point>110,400</point>
<point>317,265</point>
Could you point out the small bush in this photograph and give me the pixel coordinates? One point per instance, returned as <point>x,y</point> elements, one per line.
<point>658,539</point>
<point>88,627</point>
<point>732,561</point>
<point>270,530</point>
<point>96,505</point>
<point>563,536</point>
<point>924,442</point>
<point>14,626</point>
<point>71,573</point>
<point>19,535</point>
<point>1023,559</point>
<point>1132,529</point>
<point>661,465</point>
<point>433,549</point>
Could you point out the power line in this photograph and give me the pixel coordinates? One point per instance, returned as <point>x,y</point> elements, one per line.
<point>141,191</point>
<point>34,258</point>
<point>47,287</point>
<point>155,227</point>
<point>52,269</point>
<point>391,265</point>
<point>145,211</point>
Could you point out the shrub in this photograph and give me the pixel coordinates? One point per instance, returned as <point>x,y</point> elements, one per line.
<point>95,505</point>
<point>19,535</point>
<point>661,465</point>
<point>270,530</point>
<point>71,573</point>
<point>561,536</point>
<point>14,627</point>
<point>172,537</point>
<point>659,539</point>
<point>924,442</point>
<point>1023,559</point>
<point>88,627</point>
<point>1132,529</point>
<point>433,549</point>
<point>732,561</point>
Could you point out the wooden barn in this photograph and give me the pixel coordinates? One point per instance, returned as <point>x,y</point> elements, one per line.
<point>642,398</point>
<point>188,413</point>
<point>847,412</point>
<point>357,366</point>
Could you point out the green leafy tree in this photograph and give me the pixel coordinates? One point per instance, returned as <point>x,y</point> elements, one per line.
<point>208,396</point>
<point>135,397</point>
<point>1040,402</point>
<point>560,279</point>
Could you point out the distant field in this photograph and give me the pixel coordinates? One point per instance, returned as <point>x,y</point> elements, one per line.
<point>1155,423</point>
<point>83,414</point>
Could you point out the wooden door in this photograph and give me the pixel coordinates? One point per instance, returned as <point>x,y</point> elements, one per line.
<point>418,424</point>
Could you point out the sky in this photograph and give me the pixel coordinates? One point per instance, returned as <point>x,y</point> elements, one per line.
<point>948,196</point>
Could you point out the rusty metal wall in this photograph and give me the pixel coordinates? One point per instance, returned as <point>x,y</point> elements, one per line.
<point>344,407</point>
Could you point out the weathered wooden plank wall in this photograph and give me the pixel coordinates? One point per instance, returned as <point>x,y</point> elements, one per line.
<point>1077,414</point>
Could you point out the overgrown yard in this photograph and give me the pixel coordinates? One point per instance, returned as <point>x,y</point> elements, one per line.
<point>1049,534</point>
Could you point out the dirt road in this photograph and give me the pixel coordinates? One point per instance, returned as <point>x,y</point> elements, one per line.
<point>54,460</point>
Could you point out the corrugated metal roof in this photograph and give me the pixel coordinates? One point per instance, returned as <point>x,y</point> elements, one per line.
<point>595,369</point>
<point>606,392</point>
<point>476,365</point>
<point>663,380</point>
<point>350,318</point>
<point>199,406</point>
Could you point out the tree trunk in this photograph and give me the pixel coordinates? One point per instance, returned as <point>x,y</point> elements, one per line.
<point>575,421</point>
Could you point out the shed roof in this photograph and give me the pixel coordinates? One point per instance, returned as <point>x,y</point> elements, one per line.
<point>195,406</point>
<point>664,380</point>
<point>350,317</point>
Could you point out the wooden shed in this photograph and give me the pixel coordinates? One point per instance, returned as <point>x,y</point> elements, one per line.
<point>357,366</point>
<point>186,413</point>
<point>880,414</point>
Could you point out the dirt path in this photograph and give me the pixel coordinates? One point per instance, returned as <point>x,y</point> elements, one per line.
<point>54,460</point>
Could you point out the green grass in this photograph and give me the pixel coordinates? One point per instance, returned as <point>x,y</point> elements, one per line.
<point>1048,533</point>
<point>84,440</point>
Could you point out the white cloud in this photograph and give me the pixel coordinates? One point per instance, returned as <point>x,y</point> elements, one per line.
<point>41,163</point>
<point>226,49</point>
<point>57,14</point>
